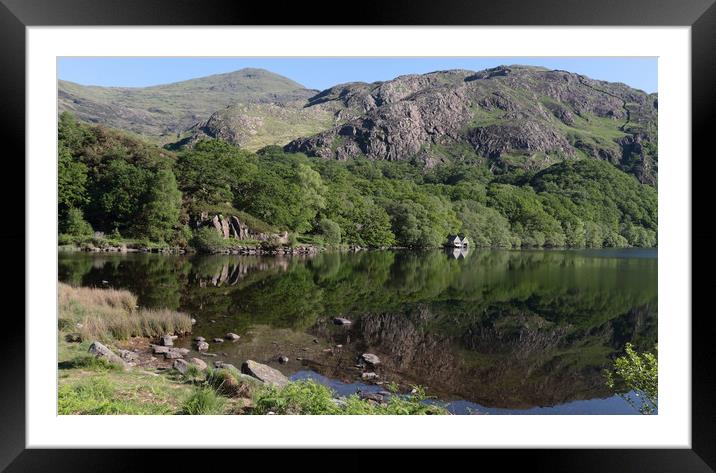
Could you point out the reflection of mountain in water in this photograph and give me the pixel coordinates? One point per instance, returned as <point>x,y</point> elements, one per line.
<point>502,328</point>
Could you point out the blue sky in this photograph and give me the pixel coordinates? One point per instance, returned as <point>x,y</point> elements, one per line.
<point>321,73</point>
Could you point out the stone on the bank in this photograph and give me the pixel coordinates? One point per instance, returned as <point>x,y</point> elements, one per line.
<point>218,340</point>
<point>160,349</point>
<point>232,336</point>
<point>127,355</point>
<point>199,339</point>
<point>369,376</point>
<point>264,373</point>
<point>201,364</point>
<point>341,321</point>
<point>181,366</point>
<point>173,355</point>
<point>101,351</point>
<point>202,346</point>
<point>283,359</point>
<point>167,340</point>
<point>370,358</point>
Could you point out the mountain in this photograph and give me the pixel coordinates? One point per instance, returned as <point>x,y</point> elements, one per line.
<point>162,112</point>
<point>506,117</point>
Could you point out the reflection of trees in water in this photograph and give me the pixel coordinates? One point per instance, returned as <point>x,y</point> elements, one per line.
<point>500,327</point>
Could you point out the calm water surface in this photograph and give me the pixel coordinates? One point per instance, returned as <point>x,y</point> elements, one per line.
<point>497,332</point>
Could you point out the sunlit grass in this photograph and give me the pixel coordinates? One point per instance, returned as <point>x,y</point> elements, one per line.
<point>112,314</point>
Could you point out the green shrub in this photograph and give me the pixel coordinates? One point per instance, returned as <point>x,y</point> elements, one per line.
<point>75,223</point>
<point>311,398</point>
<point>203,401</point>
<point>208,240</point>
<point>638,373</point>
<point>331,231</point>
<point>89,362</point>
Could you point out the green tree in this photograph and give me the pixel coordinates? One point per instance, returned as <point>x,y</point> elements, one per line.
<point>75,223</point>
<point>482,225</point>
<point>71,180</point>
<point>160,213</point>
<point>331,231</point>
<point>639,373</point>
<point>118,195</point>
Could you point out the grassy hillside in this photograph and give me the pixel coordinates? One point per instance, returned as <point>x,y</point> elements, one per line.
<point>161,112</point>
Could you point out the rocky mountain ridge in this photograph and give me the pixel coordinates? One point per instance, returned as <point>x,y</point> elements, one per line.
<point>509,116</point>
<point>502,118</point>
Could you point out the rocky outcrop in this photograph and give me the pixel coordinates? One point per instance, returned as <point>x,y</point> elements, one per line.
<point>510,115</point>
<point>226,226</point>
<point>231,227</point>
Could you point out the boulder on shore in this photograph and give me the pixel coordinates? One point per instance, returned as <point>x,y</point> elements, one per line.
<point>370,358</point>
<point>167,340</point>
<point>182,366</point>
<point>264,373</point>
<point>341,321</point>
<point>232,336</point>
<point>201,364</point>
<point>101,351</point>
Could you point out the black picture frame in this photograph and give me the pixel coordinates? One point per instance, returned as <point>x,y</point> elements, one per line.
<point>700,15</point>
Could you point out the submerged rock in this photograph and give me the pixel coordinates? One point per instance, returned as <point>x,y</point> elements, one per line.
<point>202,346</point>
<point>264,373</point>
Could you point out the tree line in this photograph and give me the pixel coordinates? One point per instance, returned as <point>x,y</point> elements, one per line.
<point>117,184</point>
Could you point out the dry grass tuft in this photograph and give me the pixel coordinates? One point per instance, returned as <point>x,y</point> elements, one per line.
<point>91,296</point>
<point>111,314</point>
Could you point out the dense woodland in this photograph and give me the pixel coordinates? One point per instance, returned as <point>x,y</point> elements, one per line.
<point>129,189</point>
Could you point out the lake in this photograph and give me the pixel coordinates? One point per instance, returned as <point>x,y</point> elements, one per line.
<point>488,332</point>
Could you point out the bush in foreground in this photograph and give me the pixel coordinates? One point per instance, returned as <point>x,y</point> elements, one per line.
<point>203,401</point>
<point>311,398</point>
<point>639,372</point>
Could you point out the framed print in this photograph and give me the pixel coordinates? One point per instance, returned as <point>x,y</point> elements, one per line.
<point>426,227</point>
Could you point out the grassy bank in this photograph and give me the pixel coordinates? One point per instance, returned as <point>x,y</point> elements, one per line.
<point>90,385</point>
